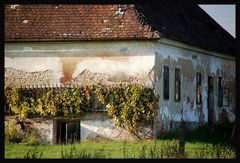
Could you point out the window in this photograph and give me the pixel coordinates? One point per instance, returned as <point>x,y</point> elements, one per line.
<point>177,85</point>
<point>166,83</point>
<point>199,95</point>
<point>220,92</point>
<point>225,96</point>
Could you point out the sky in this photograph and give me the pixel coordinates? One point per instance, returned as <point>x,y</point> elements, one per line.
<point>223,15</point>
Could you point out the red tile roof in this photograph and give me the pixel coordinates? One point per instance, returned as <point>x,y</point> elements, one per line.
<point>73,22</point>
<point>48,22</point>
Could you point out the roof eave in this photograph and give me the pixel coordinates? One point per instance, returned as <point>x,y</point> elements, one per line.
<point>81,39</point>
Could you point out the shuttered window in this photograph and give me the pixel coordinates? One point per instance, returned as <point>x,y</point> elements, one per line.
<point>177,93</point>
<point>199,87</point>
<point>166,83</point>
<point>220,92</point>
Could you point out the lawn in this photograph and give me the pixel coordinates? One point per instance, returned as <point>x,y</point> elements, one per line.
<point>204,142</point>
<point>120,149</point>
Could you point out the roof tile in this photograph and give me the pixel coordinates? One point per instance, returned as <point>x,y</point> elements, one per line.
<point>185,23</point>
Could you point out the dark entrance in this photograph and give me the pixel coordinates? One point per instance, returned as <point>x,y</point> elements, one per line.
<point>210,100</point>
<point>66,131</point>
<point>72,132</point>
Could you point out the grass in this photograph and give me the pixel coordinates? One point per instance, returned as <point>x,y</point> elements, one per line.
<point>217,134</point>
<point>204,142</point>
<point>118,149</point>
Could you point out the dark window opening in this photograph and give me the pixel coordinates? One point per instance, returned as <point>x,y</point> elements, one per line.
<point>220,92</point>
<point>199,87</point>
<point>72,132</point>
<point>211,117</point>
<point>166,83</point>
<point>225,96</point>
<point>61,133</point>
<point>66,131</point>
<point>177,93</point>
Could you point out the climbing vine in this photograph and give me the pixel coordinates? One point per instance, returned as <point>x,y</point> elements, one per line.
<point>69,102</point>
<point>126,104</point>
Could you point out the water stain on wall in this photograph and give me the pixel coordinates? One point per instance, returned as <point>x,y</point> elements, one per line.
<point>68,67</point>
<point>69,64</point>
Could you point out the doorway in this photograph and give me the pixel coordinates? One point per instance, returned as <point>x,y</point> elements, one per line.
<point>66,131</point>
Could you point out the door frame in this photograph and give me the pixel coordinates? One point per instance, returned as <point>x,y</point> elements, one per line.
<point>57,122</point>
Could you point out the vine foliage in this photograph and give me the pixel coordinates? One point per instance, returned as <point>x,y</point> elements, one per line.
<point>128,105</point>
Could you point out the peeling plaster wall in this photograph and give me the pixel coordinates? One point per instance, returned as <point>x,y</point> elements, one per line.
<point>40,127</point>
<point>190,62</point>
<point>93,126</point>
<point>83,63</point>
<point>99,125</point>
<point>132,61</point>
<point>118,61</point>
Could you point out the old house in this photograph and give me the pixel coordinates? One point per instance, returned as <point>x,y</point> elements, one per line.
<point>178,50</point>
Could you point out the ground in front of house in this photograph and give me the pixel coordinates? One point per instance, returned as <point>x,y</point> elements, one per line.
<point>119,149</point>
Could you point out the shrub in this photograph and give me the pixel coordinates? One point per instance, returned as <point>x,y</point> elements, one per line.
<point>12,134</point>
<point>31,140</point>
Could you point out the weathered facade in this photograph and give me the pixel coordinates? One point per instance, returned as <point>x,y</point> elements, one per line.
<point>95,62</point>
<point>195,81</point>
<point>212,67</point>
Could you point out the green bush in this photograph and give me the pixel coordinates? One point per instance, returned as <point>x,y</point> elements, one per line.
<point>12,135</point>
<point>31,140</point>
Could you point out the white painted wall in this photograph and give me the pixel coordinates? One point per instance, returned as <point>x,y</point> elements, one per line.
<point>128,58</point>
<point>190,62</point>
<point>132,66</point>
<point>140,59</point>
<point>97,128</point>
